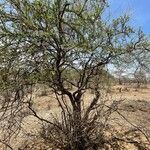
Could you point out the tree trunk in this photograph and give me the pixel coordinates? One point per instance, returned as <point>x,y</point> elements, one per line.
<point>78,138</point>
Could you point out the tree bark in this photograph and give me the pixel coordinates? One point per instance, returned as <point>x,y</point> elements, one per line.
<point>78,137</point>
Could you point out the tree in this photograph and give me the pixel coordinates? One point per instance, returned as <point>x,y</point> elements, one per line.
<point>140,77</point>
<point>44,41</point>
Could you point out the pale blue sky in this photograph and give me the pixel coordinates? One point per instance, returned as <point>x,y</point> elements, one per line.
<point>138,9</point>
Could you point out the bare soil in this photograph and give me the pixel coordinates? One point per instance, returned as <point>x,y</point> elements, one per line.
<point>135,107</point>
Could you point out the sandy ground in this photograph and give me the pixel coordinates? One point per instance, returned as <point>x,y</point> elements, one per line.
<point>135,107</point>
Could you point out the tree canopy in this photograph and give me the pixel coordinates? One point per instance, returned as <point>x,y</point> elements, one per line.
<point>52,36</point>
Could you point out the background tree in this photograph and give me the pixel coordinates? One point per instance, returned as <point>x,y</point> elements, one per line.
<point>43,42</point>
<point>140,77</point>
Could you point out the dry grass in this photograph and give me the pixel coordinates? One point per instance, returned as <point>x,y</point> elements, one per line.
<point>135,107</point>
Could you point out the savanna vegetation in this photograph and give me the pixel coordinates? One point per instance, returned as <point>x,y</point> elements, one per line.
<point>67,47</point>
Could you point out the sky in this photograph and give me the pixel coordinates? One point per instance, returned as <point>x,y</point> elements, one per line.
<point>139,10</point>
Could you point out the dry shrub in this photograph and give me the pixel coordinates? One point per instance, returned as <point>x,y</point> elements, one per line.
<point>97,132</point>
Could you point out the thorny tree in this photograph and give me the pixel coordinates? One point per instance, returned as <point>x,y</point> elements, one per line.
<point>61,44</point>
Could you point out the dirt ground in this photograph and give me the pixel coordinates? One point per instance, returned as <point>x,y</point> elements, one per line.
<point>135,107</point>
